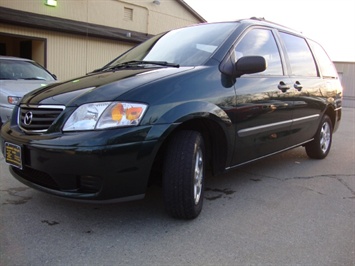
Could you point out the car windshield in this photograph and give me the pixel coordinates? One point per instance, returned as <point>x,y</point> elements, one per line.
<point>189,46</point>
<point>17,69</point>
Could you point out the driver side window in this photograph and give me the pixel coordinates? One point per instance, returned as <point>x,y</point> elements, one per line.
<point>261,42</point>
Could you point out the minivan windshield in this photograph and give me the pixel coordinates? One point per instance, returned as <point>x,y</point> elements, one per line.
<point>190,46</point>
<point>18,69</point>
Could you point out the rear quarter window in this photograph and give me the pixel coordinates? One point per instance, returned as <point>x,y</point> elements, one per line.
<point>325,65</point>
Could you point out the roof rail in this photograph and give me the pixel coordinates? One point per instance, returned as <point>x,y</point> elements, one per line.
<point>260,19</point>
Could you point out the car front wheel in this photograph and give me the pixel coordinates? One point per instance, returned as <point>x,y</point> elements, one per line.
<point>320,146</point>
<point>183,175</point>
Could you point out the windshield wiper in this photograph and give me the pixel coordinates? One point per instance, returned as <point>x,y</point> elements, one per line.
<point>137,63</point>
<point>142,62</point>
<point>35,78</point>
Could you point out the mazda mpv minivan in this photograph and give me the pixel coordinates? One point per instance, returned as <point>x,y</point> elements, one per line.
<point>210,96</point>
<point>19,76</point>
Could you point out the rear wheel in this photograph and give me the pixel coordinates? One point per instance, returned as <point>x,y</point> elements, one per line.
<point>183,175</point>
<point>320,146</point>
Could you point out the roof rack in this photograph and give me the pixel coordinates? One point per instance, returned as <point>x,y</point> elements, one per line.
<point>260,19</point>
<point>277,24</point>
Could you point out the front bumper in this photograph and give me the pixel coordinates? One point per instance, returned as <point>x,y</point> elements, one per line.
<point>103,165</point>
<point>338,116</point>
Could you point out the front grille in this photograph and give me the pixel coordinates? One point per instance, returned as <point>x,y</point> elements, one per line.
<point>36,177</point>
<point>82,184</point>
<point>39,118</point>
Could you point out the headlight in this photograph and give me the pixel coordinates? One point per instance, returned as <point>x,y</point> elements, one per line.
<point>103,115</point>
<point>13,100</point>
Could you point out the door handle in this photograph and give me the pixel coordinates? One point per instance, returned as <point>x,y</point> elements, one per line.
<point>283,87</point>
<point>298,86</point>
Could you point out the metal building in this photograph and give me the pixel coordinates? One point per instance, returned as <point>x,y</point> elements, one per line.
<point>346,72</point>
<point>71,38</point>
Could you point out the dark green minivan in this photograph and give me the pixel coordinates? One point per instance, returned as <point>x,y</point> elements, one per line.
<point>210,96</point>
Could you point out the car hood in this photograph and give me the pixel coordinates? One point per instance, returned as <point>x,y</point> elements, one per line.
<point>98,87</point>
<point>20,87</point>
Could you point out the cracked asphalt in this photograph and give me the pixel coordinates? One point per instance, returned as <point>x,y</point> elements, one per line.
<point>283,210</point>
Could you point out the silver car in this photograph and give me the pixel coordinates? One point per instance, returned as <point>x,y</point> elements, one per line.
<point>19,76</point>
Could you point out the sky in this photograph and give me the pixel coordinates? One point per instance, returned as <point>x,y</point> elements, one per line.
<point>329,22</point>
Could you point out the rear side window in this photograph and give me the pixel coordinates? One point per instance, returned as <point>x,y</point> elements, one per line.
<point>261,42</point>
<point>300,56</point>
<point>325,65</point>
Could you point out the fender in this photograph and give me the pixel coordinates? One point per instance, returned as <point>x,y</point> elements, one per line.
<point>216,120</point>
<point>195,109</point>
<point>185,112</point>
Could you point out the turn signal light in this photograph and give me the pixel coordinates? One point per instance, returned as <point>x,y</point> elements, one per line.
<point>134,113</point>
<point>117,112</point>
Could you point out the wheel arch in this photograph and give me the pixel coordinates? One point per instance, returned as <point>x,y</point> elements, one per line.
<point>331,113</point>
<point>215,139</point>
<point>216,145</point>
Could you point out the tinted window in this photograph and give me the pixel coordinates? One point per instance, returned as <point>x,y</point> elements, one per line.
<point>300,56</point>
<point>324,63</point>
<point>261,42</point>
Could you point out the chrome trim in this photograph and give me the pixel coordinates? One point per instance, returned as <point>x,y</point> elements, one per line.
<point>306,118</point>
<point>49,106</point>
<point>62,107</point>
<point>259,129</point>
<point>254,130</point>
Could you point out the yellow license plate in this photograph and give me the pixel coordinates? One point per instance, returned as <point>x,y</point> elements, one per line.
<point>13,155</point>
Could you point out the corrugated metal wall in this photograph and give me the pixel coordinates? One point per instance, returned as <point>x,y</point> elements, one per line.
<point>346,71</point>
<point>147,17</point>
<point>70,56</point>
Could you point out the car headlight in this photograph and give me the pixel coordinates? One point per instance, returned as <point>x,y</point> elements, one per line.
<point>103,115</point>
<point>13,100</point>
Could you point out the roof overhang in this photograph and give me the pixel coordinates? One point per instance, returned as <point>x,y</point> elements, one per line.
<point>38,21</point>
<point>192,11</point>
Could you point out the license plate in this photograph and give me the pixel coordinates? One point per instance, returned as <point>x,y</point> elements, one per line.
<point>13,155</point>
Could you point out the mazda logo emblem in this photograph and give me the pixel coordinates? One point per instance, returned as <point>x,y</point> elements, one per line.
<point>28,118</point>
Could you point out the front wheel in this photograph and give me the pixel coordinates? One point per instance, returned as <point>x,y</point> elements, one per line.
<point>320,146</point>
<point>183,175</point>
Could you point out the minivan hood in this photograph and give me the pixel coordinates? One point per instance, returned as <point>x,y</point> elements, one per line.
<point>97,87</point>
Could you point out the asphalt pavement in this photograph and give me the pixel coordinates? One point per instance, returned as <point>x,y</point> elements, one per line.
<point>283,210</point>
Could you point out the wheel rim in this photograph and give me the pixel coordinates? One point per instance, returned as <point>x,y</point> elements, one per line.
<point>325,137</point>
<point>198,176</point>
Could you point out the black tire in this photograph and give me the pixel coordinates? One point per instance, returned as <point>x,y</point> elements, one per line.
<point>320,146</point>
<point>184,174</point>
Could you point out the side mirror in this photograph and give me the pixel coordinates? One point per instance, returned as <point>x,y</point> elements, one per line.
<point>250,65</point>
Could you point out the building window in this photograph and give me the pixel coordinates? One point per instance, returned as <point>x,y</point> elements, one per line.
<point>128,14</point>
<point>2,48</point>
